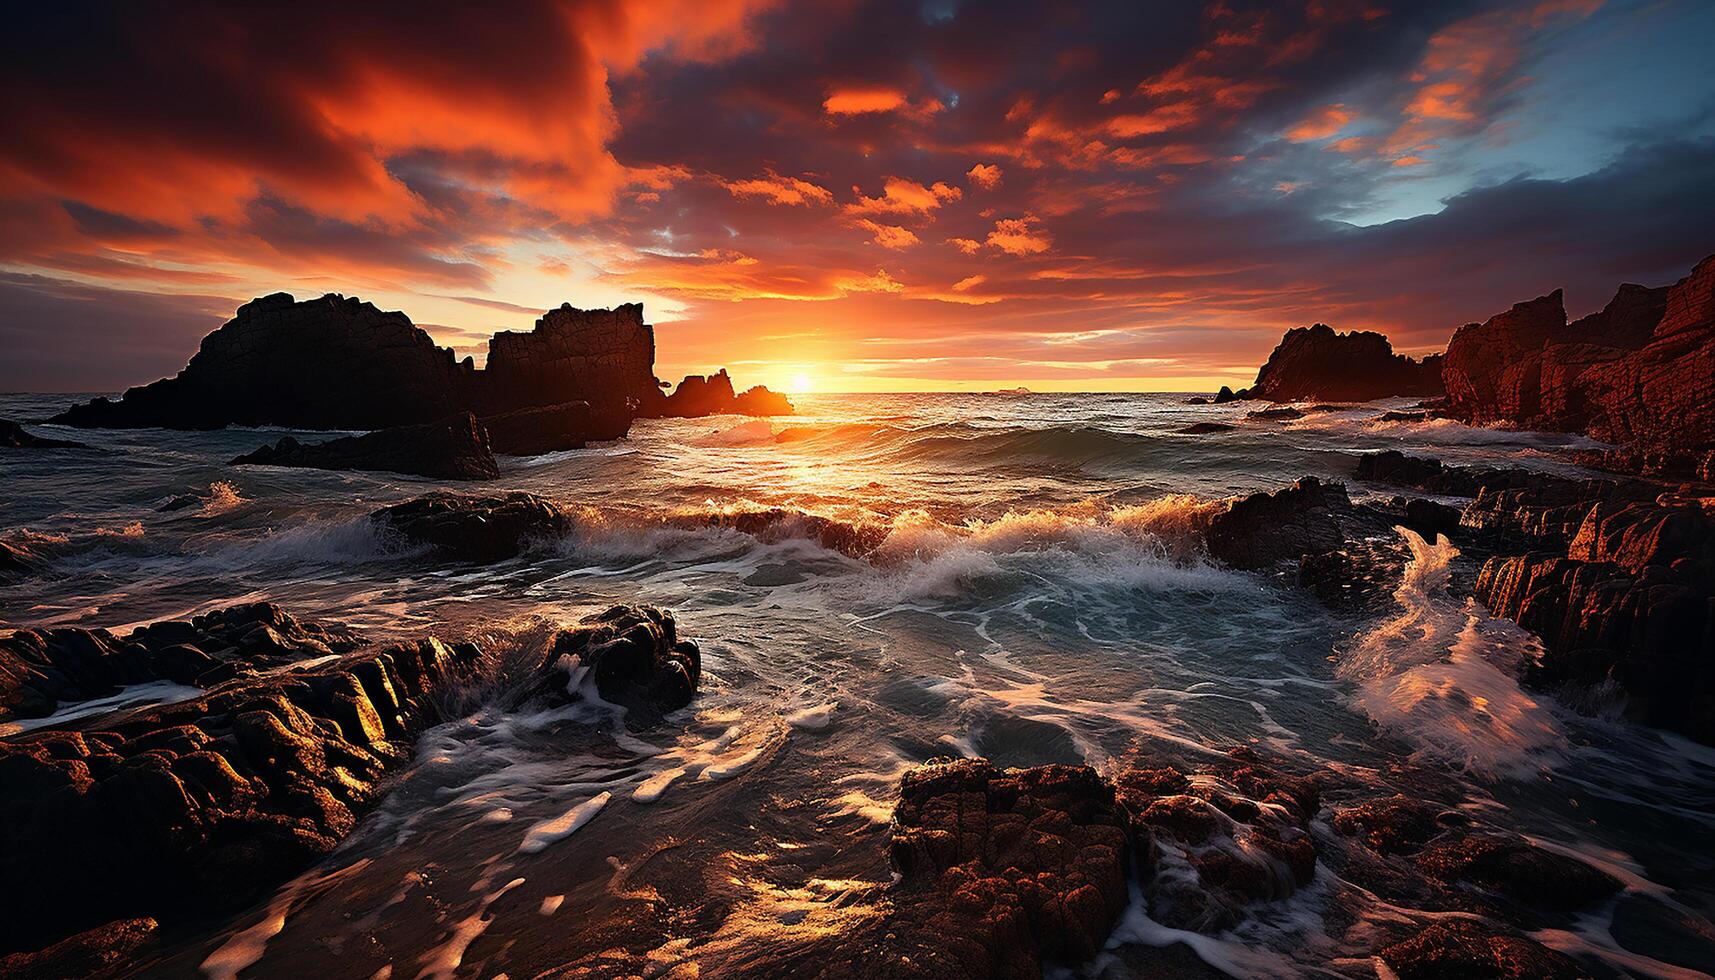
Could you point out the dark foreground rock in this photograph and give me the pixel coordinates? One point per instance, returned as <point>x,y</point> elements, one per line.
<point>1317,363</point>
<point>1265,528</point>
<point>42,669</point>
<point>475,529</point>
<point>1471,952</point>
<point>454,448</point>
<point>17,560</point>
<point>534,431</point>
<point>191,811</point>
<point>633,655</point>
<point>1005,872</point>
<point>13,436</point>
<point>698,396</point>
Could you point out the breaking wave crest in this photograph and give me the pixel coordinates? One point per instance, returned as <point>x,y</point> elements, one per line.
<point>1443,675</point>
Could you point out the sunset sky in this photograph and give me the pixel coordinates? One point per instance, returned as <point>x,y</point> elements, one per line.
<point>915,195</point>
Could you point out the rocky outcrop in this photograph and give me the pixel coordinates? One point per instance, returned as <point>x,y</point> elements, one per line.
<point>603,357</point>
<point>633,655</point>
<point>454,448</point>
<point>698,396</point>
<point>1317,363</point>
<point>13,436</point>
<point>197,809</point>
<point>1457,948</point>
<point>474,529</point>
<point>1265,528</point>
<point>40,670</point>
<point>1640,372</point>
<point>327,363</point>
<point>534,431</point>
<point>339,363</point>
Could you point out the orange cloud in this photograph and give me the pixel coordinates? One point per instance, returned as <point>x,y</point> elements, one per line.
<point>776,189</point>
<point>1321,124</point>
<point>888,236</point>
<point>985,175</point>
<point>900,196</point>
<point>1019,236</point>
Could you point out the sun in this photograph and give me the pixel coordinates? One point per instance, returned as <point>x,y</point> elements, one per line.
<point>799,384</point>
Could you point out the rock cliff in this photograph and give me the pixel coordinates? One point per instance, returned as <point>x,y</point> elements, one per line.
<point>1640,372</point>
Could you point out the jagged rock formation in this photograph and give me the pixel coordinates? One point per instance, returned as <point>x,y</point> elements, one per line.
<point>534,431</point>
<point>454,448</point>
<point>697,396</point>
<point>339,363</point>
<point>42,669</point>
<point>13,436</point>
<point>1317,363</point>
<point>1640,372</point>
<point>475,529</point>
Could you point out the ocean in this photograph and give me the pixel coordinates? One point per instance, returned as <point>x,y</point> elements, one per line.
<point>875,582</point>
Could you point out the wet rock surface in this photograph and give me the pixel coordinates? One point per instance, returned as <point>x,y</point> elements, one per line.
<point>13,436</point>
<point>193,810</point>
<point>634,657</point>
<point>454,448</point>
<point>41,669</point>
<point>1317,363</point>
<point>1471,952</point>
<point>1266,528</point>
<point>474,529</point>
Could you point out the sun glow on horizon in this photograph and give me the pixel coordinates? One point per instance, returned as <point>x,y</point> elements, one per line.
<point>800,383</point>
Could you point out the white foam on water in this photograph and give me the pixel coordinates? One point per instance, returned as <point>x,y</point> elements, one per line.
<point>813,719</point>
<point>135,696</point>
<point>551,904</point>
<point>565,825</point>
<point>1442,674</point>
<point>222,498</point>
<point>744,434</point>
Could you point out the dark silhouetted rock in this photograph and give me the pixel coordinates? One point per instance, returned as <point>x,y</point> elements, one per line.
<point>698,396</point>
<point>1197,400</point>
<point>1264,528</point>
<point>1468,951</point>
<point>190,811</point>
<point>13,436</point>
<point>1206,428</point>
<point>41,669</point>
<point>476,529</point>
<point>534,431</point>
<point>1227,394</point>
<point>454,448</point>
<point>1275,414</point>
<point>633,655</point>
<point>1317,363</point>
<point>327,363</point>
<point>603,357</point>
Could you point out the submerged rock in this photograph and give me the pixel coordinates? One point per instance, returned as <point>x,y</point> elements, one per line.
<point>13,436</point>
<point>195,810</point>
<point>475,529</point>
<point>1206,428</point>
<point>1317,363</point>
<point>455,448</point>
<point>1471,952</point>
<point>42,669</point>
<point>633,655</point>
